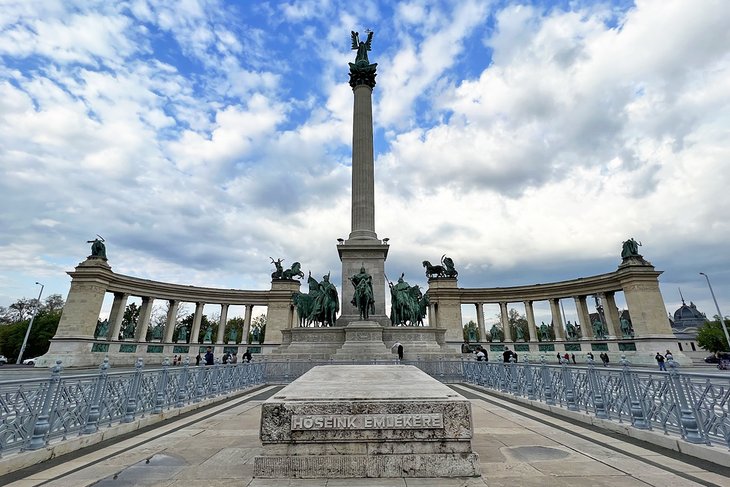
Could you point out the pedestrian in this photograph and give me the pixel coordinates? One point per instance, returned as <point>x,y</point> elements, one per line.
<point>567,358</point>
<point>234,358</point>
<point>572,357</point>
<point>174,360</point>
<point>559,357</point>
<point>197,359</point>
<point>480,354</point>
<point>668,356</point>
<point>590,355</point>
<point>246,357</point>
<point>209,359</point>
<point>660,360</point>
<point>506,355</point>
<point>399,347</point>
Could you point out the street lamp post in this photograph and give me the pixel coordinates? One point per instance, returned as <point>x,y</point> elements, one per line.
<point>27,332</point>
<point>722,320</point>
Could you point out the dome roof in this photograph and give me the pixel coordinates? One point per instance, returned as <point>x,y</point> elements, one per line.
<point>687,316</point>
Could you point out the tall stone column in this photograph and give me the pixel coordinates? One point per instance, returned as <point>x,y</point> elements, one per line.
<point>197,318</point>
<point>117,315</point>
<point>221,336</point>
<point>557,320</point>
<point>584,317</point>
<point>89,282</point>
<point>530,313</point>
<point>640,284</point>
<point>504,316</point>
<point>170,322</point>
<point>247,323</point>
<point>480,322</point>
<point>140,334</point>
<point>362,248</point>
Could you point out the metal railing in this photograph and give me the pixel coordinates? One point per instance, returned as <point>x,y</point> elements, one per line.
<point>34,412</point>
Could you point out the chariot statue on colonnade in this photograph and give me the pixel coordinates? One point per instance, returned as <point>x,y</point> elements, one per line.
<point>281,273</point>
<point>446,269</point>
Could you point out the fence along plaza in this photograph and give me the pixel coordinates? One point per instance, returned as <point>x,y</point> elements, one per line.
<point>37,412</point>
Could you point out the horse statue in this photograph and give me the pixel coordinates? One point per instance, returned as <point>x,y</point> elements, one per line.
<point>294,271</point>
<point>363,299</point>
<point>433,270</point>
<point>304,303</point>
<point>449,270</point>
<point>326,302</point>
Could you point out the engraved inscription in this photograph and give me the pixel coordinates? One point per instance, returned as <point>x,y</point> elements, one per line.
<point>310,422</point>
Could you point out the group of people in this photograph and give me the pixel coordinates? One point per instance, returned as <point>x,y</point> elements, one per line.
<point>209,359</point>
<point>565,358</point>
<point>660,359</point>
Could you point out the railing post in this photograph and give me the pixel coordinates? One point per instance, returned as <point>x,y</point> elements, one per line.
<point>160,399</point>
<point>131,409</point>
<point>569,385</point>
<point>92,418</point>
<point>547,385</point>
<point>636,405</point>
<point>529,382</point>
<point>42,425</point>
<point>514,383</point>
<point>214,375</point>
<point>183,384</point>
<point>201,371</point>
<point>594,384</point>
<point>688,420</point>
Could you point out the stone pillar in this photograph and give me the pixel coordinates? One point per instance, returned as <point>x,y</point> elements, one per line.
<point>197,318</point>
<point>220,339</point>
<point>370,254</point>
<point>480,322</point>
<point>432,318</point>
<point>247,323</point>
<point>170,321</point>
<point>644,300</point>
<point>611,317</point>
<point>504,317</point>
<point>447,308</point>
<point>89,282</point>
<point>530,313</point>
<point>557,320</point>
<point>278,313</point>
<point>363,174</point>
<point>140,334</point>
<point>116,316</point>
<point>584,317</point>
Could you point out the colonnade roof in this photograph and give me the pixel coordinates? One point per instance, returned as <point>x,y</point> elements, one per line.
<point>582,286</point>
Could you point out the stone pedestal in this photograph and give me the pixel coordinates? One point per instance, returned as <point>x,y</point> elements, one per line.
<point>371,254</point>
<point>280,312</point>
<point>363,341</point>
<point>366,421</point>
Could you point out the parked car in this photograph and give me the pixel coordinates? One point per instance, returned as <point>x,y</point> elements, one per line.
<point>30,361</point>
<point>3,360</point>
<point>712,359</point>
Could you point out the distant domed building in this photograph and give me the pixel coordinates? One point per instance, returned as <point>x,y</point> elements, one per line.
<point>685,322</point>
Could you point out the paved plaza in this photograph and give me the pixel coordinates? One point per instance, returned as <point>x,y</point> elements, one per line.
<point>517,447</point>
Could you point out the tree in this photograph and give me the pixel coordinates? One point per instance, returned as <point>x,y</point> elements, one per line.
<point>22,309</point>
<point>236,323</point>
<point>129,321</point>
<point>39,340</point>
<point>53,303</point>
<point>711,337</point>
<point>471,332</point>
<point>516,320</point>
<point>257,334</point>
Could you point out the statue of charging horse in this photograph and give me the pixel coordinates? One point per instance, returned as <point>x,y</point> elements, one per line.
<point>446,269</point>
<point>288,274</point>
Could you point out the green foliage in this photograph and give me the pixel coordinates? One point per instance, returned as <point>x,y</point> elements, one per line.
<point>258,327</point>
<point>711,337</point>
<point>516,320</point>
<point>236,323</point>
<point>471,332</point>
<point>129,321</point>
<point>39,340</point>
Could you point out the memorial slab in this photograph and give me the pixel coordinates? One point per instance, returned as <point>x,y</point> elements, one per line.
<point>349,421</point>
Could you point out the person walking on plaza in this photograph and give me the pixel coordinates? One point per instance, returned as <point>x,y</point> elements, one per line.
<point>660,360</point>
<point>197,359</point>
<point>506,355</point>
<point>209,359</point>
<point>480,355</point>
<point>668,356</point>
<point>572,356</point>
<point>246,357</point>
<point>234,358</point>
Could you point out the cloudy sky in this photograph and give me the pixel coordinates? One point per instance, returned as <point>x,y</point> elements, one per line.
<point>526,140</point>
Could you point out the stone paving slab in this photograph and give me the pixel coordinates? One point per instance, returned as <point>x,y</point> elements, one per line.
<point>517,447</point>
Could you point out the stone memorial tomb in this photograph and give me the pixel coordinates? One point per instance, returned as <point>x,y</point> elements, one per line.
<point>350,421</point>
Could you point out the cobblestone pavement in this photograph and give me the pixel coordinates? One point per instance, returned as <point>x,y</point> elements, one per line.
<point>517,447</point>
